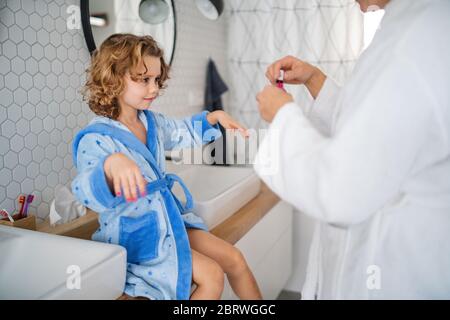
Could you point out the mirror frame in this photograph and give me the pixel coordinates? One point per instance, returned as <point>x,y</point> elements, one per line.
<point>89,37</point>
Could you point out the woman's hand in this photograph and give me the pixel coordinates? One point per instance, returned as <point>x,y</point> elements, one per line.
<point>297,72</point>
<point>270,101</point>
<point>226,121</point>
<point>124,174</point>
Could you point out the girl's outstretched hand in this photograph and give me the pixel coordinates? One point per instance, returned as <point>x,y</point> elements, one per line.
<point>123,174</point>
<point>226,121</point>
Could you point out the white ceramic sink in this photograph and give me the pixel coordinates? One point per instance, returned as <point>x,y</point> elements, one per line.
<point>36,265</point>
<point>218,191</point>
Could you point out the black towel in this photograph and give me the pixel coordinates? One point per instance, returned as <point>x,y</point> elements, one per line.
<point>215,87</point>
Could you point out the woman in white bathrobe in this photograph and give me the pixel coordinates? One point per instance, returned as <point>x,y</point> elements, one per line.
<point>371,160</point>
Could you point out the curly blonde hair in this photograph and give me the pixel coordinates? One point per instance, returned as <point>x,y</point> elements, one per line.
<point>118,54</point>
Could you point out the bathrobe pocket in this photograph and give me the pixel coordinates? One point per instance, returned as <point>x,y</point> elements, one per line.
<point>140,236</point>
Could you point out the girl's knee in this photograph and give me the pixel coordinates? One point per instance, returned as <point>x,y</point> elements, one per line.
<point>236,261</point>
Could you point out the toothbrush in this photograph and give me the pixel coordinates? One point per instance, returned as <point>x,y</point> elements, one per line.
<point>5,213</point>
<point>21,204</point>
<point>30,198</point>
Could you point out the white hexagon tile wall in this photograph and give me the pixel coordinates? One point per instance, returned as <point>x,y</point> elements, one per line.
<point>42,68</point>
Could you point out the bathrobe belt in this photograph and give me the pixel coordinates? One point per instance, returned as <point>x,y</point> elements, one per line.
<point>167,182</point>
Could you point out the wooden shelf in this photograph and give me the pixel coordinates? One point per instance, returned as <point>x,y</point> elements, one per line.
<point>81,228</point>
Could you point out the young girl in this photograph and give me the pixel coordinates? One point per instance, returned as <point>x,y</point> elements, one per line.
<point>120,162</point>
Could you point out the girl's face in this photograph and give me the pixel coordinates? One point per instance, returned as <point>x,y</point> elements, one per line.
<point>140,94</point>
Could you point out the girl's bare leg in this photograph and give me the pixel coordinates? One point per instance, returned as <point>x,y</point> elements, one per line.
<point>230,260</point>
<point>208,276</point>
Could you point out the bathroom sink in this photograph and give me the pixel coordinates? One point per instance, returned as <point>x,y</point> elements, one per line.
<point>218,191</point>
<point>36,265</point>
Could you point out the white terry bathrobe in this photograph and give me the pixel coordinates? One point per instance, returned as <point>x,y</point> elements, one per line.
<point>371,163</point>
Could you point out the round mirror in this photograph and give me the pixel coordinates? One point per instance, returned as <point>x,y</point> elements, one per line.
<point>156,18</point>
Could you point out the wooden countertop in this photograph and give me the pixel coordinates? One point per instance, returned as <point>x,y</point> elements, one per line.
<point>231,230</point>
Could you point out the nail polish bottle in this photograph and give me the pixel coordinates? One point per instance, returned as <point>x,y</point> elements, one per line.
<point>280,80</point>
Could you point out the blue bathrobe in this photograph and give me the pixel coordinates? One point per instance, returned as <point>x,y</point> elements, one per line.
<point>153,229</point>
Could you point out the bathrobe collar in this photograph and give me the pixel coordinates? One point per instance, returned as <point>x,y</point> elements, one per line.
<point>116,129</point>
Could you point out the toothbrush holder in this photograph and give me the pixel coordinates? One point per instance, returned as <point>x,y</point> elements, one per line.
<point>29,222</point>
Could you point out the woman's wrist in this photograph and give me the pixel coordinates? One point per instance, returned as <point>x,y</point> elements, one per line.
<point>315,83</point>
